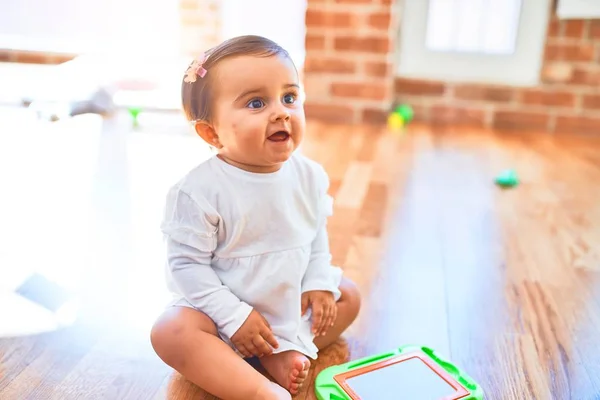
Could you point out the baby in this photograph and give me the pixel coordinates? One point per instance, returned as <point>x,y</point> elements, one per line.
<point>248,258</point>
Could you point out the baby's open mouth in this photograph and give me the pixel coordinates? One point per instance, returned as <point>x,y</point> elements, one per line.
<point>280,136</point>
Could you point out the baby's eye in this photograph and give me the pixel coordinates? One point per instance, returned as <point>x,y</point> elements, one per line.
<point>256,103</point>
<point>289,98</point>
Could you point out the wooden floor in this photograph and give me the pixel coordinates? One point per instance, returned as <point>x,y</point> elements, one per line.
<point>504,282</point>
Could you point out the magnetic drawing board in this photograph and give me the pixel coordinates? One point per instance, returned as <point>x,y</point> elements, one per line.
<point>412,378</point>
<point>408,372</point>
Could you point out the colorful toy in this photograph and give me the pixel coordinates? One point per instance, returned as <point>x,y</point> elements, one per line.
<point>409,372</point>
<point>401,116</point>
<point>135,112</point>
<point>507,178</point>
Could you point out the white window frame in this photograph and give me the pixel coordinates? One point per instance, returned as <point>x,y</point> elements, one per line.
<point>521,68</point>
<point>578,9</point>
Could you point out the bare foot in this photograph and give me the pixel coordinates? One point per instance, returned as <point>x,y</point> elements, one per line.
<point>288,368</point>
<point>273,392</point>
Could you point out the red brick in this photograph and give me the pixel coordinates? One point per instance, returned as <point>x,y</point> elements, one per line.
<point>570,52</point>
<point>314,42</point>
<point>355,1</point>
<point>592,101</point>
<point>329,112</point>
<point>595,30</point>
<point>586,76</point>
<point>5,56</point>
<point>554,28</point>
<point>189,5</point>
<point>377,69</point>
<point>373,44</point>
<point>371,91</point>
<point>485,93</point>
<point>374,116</point>
<point>328,64</point>
<point>195,18</point>
<point>577,124</point>
<point>546,98</point>
<point>574,28</point>
<point>380,20</point>
<point>31,58</point>
<point>515,120</point>
<point>448,114</point>
<point>419,87</point>
<point>331,19</point>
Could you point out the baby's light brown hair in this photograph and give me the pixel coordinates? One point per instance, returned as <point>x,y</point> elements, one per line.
<point>196,96</point>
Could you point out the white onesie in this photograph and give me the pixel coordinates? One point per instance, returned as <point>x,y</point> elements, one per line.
<point>238,240</point>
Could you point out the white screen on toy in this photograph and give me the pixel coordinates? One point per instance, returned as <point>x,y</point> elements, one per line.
<point>407,380</point>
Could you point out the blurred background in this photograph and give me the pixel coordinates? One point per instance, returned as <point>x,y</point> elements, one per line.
<point>91,132</point>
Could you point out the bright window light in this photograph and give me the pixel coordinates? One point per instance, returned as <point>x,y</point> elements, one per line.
<point>473,26</point>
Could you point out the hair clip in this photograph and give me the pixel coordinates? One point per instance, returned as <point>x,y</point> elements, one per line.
<point>195,69</point>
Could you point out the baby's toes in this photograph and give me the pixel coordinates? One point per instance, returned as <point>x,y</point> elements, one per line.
<point>294,387</point>
<point>302,375</point>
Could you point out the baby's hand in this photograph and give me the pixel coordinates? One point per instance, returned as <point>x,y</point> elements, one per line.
<point>324,310</point>
<point>254,336</point>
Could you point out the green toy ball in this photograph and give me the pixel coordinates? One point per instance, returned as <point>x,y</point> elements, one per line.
<point>507,178</point>
<point>406,112</point>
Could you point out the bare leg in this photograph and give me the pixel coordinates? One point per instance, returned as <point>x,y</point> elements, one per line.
<point>348,308</point>
<point>290,368</point>
<point>187,341</point>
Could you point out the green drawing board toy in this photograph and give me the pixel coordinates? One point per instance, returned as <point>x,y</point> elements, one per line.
<point>410,372</point>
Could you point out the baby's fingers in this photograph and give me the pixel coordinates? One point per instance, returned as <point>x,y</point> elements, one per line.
<point>267,335</point>
<point>262,346</point>
<point>326,320</point>
<point>327,323</point>
<point>242,349</point>
<point>318,317</point>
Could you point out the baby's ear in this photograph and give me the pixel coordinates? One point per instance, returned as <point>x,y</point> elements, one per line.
<point>207,132</point>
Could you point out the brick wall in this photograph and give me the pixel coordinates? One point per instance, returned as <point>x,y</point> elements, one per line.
<point>567,100</point>
<point>348,69</point>
<point>200,25</point>
<point>200,29</point>
<point>349,75</point>
<point>32,57</point>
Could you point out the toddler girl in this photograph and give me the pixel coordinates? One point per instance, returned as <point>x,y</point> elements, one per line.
<point>248,257</point>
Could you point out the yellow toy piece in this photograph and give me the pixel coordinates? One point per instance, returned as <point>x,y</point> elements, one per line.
<point>395,122</point>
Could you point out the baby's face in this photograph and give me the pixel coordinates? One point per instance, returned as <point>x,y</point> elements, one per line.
<point>257,114</point>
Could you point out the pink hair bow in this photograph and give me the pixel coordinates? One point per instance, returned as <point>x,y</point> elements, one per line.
<point>195,69</point>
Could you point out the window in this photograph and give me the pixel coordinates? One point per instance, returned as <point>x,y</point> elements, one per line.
<point>486,41</point>
<point>575,9</point>
<point>480,26</point>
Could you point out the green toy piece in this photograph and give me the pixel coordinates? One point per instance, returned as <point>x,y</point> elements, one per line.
<point>400,117</point>
<point>406,112</point>
<point>507,178</point>
<point>409,372</point>
<point>135,112</point>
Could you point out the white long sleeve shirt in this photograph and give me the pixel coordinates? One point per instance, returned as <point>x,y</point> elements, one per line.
<point>238,240</point>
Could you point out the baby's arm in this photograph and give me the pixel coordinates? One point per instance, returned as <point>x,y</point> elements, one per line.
<point>196,280</point>
<point>190,240</point>
<point>320,284</point>
<point>320,275</point>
